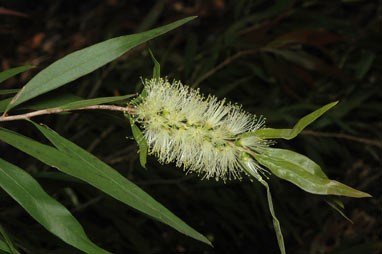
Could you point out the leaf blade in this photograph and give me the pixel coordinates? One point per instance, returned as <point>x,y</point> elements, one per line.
<point>9,91</point>
<point>7,241</point>
<point>297,173</point>
<point>47,211</point>
<point>141,141</point>
<point>95,101</point>
<point>14,71</point>
<point>268,133</point>
<point>84,61</point>
<point>156,69</point>
<point>104,178</point>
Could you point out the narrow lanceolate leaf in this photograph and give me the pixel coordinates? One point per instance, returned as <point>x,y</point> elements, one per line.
<point>9,91</point>
<point>95,101</point>
<point>156,69</point>
<point>7,241</point>
<point>304,173</point>
<point>299,126</point>
<point>4,247</point>
<point>51,101</point>
<point>296,158</point>
<point>14,71</point>
<point>276,223</point>
<point>82,62</point>
<point>338,206</point>
<point>76,162</point>
<point>3,104</point>
<point>116,185</point>
<point>141,141</point>
<point>47,211</point>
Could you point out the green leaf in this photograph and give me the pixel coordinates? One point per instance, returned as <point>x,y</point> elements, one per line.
<point>43,208</point>
<point>14,71</point>
<point>268,133</point>
<point>51,101</point>
<point>73,160</point>
<point>126,191</point>
<point>4,103</point>
<point>311,167</point>
<point>8,243</point>
<point>84,61</point>
<point>9,91</point>
<point>57,176</point>
<point>95,101</point>
<point>299,159</point>
<point>4,247</point>
<point>276,223</point>
<point>338,206</point>
<point>304,173</point>
<point>140,139</point>
<point>44,102</point>
<point>156,70</point>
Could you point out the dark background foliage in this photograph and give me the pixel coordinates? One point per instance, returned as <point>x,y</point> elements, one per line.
<point>281,59</point>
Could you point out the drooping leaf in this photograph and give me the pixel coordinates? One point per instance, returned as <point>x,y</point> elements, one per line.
<point>43,208</point>
<point>14,71</point>
<point>268,133</point>
<point>304,173</point>
<point>84,61</point>
<point>77,162</point>
<point>276,223</point>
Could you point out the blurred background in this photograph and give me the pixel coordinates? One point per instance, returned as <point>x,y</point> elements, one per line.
<point>280,59</point>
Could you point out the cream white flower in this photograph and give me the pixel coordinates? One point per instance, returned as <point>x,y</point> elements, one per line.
<point>200,134</point>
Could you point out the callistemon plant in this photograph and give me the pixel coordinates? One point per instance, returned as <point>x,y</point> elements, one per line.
<point>218,139</point>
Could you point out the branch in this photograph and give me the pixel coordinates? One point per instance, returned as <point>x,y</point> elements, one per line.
<point>59,110</point>
<point>224,63</point>
<point>343,136</point>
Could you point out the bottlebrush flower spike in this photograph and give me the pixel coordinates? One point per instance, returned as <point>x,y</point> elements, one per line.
<point>199,133</point>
